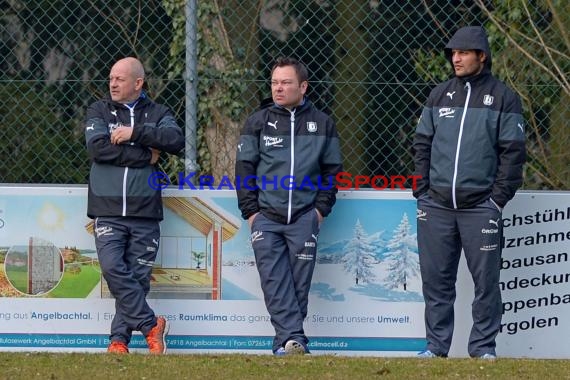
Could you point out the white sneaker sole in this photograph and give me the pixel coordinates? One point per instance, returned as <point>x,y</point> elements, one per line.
<point>166,328</point>
<point>294,348</point>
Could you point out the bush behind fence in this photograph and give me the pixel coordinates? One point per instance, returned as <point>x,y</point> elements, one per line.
<point>371,63</point>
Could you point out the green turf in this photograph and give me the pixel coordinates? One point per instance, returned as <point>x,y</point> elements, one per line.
<point>18,277</point>
<point>233,366</point>
<point>77,285</point>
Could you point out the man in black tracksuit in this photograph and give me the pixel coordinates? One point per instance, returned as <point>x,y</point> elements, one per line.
<point>469,149</point>
<point>287,160</point>
<point>125,134</point>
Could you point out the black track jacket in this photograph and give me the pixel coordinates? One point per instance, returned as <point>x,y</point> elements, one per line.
<point>470,142</point>
<point>119,177</point>
<point>278,147</point>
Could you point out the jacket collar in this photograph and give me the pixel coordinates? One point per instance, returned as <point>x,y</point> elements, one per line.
<point>476,78</point>
<point>300,108</point>
<point>143,99</point>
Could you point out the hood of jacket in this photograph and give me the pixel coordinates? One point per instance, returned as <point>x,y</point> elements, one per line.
<point>470,38</point>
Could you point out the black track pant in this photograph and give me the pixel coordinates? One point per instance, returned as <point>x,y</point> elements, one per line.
<point>127,248</point>
<point>285,255</point>
<point>442,232</point>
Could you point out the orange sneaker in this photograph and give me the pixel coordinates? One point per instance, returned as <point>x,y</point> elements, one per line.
<point>156,338</point>
<point>118,347</point>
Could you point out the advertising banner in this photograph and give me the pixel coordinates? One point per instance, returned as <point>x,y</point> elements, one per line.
<point>365,297</point>
<point>535,280</point>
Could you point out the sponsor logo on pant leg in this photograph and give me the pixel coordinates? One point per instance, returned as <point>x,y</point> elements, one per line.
<point>104,231</point>
<point>305,256</point>
<point>256,235</point>
<point>421,214</point>
<point>491,247</point>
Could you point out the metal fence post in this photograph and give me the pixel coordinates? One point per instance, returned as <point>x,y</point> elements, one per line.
<point>191,80</point>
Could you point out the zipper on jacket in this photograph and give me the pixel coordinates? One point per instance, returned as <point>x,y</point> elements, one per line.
<point>124,213</point>
<point>453,195</point>
<point>291,171</point>
<point>126,172</point>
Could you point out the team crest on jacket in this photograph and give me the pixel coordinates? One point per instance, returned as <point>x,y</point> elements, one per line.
<point>488,100</point>
<point>312,126</point>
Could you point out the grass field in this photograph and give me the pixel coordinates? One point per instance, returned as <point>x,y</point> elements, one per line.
<point>18,277</point>
<point>78,285</point>
<point>233,366</point>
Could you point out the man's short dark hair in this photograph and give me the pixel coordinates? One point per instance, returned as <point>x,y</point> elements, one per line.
<point>300,69</point>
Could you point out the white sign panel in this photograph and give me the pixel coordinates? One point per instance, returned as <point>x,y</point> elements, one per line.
<point>206,283</point>
<point>535,280</point>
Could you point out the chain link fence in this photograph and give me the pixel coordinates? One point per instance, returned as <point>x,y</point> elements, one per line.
<point>371,64</point>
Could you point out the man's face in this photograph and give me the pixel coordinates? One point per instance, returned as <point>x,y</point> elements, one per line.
<point>467,62</point>
<point>285,87</point>
<point>123,85</point>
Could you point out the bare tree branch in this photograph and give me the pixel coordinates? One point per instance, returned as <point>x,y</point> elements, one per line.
<point>498,24</point>
<point>254,23</point>
<point>434,19</point>
<point>563,28</point>
<point>224,33</point>
<point>117,21</point>
<point>536,170</point>
<point>539,44</point>
<point>543,45</point>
